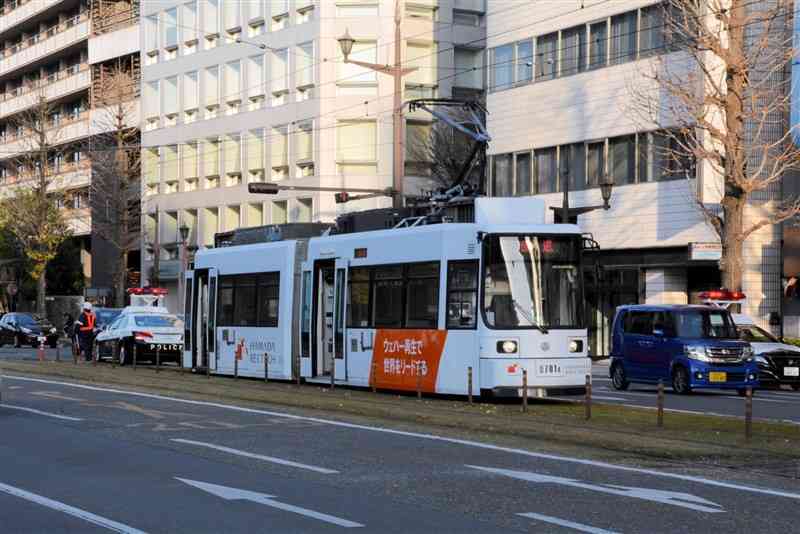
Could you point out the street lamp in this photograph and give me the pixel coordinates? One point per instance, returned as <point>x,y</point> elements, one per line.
<point>396,71</point>
<point>606,186</point>
<point>184,234</point>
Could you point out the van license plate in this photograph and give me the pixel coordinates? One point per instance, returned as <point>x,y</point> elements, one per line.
<point>717,377</point>
<point>549,369</point>
<point>791,371</point>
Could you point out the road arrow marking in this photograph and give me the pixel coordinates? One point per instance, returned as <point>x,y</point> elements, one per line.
<point>684,500</point>
<point>40,412</point>
<point>246,454</point>
<point>235,494</point>
<point>70,510</point>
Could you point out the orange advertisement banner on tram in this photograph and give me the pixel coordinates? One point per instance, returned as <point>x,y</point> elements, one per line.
<point>404,357</point>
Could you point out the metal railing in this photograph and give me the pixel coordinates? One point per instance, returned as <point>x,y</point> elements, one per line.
<point>44,82</point>
<point>46,34</point>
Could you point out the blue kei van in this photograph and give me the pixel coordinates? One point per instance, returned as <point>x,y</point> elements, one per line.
<point>687,346</point>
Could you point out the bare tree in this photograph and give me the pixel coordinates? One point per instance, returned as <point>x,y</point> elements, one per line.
<point>440,152</point>
<point>115,191</point>
<point>723,101</point>
<point>33,212</point>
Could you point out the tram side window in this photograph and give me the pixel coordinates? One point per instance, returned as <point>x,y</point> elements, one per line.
<point>225,301</point>
<point>268,299</point>
<point>462,294</point>
<point>422,295</point>
<point>248,300</point>
<point>358,298</point>
<point>244,301</point>
<point>387,304</point>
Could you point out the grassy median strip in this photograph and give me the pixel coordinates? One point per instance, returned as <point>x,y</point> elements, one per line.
<point>615,431</point>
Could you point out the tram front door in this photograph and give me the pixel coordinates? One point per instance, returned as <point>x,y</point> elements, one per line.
<point>328,329</point>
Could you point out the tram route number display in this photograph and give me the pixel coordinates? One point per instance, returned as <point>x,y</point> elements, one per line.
<point>401,356</point>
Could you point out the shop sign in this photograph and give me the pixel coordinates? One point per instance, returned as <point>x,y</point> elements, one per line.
<point>705,251</point>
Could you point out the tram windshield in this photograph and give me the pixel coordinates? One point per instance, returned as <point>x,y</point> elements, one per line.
<point>532,282</point>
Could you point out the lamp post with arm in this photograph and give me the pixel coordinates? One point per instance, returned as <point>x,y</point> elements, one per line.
<point>397,71</point>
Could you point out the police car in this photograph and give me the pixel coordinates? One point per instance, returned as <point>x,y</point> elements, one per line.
<point>145,328</point>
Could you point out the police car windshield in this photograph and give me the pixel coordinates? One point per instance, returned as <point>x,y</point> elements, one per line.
<point>703,324</point>
<point>154,320</point>
<point>26,320</point>
<point>107,316</point>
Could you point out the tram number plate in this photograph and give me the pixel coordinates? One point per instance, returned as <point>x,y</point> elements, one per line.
<point>791,371</point>
<point>164,347</point>
<point>549,369</point>
<point>715,376</point>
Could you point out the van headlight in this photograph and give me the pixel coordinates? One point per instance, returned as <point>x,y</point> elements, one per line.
<point>507,347</point>
<point>576,345</point>
<point>696,352</point>
<point>760,359</point>
<point>747,353</point>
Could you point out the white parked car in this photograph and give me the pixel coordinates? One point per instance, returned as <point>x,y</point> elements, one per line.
<point>147,331</point>
<point>778,362</point>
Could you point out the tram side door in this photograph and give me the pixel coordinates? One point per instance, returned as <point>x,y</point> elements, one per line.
<point>306,308</point>
<point>211,322</point>
<point>189,310</point>
<point>339,320</point>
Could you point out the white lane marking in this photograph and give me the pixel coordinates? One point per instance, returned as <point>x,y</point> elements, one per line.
<point>432,437</point>
<point>70,510</point>
<point>568,524</point>
<point>674,498</point>
<point>235,494</point>
<point>39,412</point>
<point>246,454</point>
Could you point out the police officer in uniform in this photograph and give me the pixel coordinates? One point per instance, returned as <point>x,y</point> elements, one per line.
<point>86,322</point>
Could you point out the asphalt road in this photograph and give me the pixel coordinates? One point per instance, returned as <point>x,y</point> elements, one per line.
<point>779,405</point>
<point>87,459</point>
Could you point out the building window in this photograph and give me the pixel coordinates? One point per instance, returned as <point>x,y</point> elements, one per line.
<point>190,97</point>
<point>622,159</point>
<point>211,21</point>
<point>623,37</point>
<point>169,36</point>
<point>189,160</point>
<point>279,147</point>
<point>232,83</point>
<point>573,51</point>
<point>651,30</point>
<point>255,81</point>
<point>522,174</point>
<point>305,11</point>
<point>233,159</point>
<point>502,69</point>
<point>279,14</point>
<point>305,210</point>
<point>304,147</point>
<point>304,70</point>
<point>356,147</point>
<point>255,214</point>
<point>466,18</point>
<point>232,16</point>
<point>189,27</point>
<point>598,45</point>
<point>151,103</point>
<point>170,95</point>
<point>573,165</point>
<point>546,58</point>
<point>502,175</point>
<point>279,75</point>
<point>170,164</point>
<point>357,8</point>
<point>255,155</point>
<point>595,163</point>
<point>351,75</point>
<point>545,170</point>
<point>279,212</point>
<point>211,158</point>
<point>211,89</point>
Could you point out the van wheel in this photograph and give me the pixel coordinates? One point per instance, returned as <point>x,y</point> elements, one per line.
<point>618,378</point>
<point>680,381</point>
<point>123,355</point>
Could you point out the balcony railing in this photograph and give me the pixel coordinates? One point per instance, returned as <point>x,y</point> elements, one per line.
<point>57,84</point>
<point>78,25</point>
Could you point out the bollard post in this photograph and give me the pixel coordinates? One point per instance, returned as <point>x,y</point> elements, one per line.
<point>208,367</point>
<point>469,384</point>
<point>374,376</point>
<point>660,404</point>
<point>58,352</point>
<point>158,359</point>
<point>524,390</point>
<point>333,374</point>
<point>419,380</point>
<point>588,401</point>
<point>135,355</point>
<point>748,414</point>
<point>74,354</point>
<point>40,355</point>
<point>266,367</point>
<point>235,367</point>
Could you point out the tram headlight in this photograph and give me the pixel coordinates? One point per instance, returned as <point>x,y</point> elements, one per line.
<point>507,347</point>
<point>576,345</point>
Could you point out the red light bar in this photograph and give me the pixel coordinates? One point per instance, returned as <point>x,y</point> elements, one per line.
<point>722,294</point>
<point>158,291</point>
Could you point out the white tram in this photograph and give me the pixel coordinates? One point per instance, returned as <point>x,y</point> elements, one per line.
<point>398,308</point>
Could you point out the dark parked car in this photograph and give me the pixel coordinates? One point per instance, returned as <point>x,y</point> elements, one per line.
<point>25,329</point>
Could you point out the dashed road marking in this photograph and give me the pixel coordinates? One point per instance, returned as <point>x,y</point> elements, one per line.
<point>70,510</point>
<point>40,412</point>
<point>246,454</point>
<point>568,524</point>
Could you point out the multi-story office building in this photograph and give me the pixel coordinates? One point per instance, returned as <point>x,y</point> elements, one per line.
<point>564,79</point>
<point>258,91</point>
<point>63,50</point>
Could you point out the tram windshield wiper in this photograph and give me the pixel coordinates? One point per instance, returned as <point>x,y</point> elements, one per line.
<point>528,316</point>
